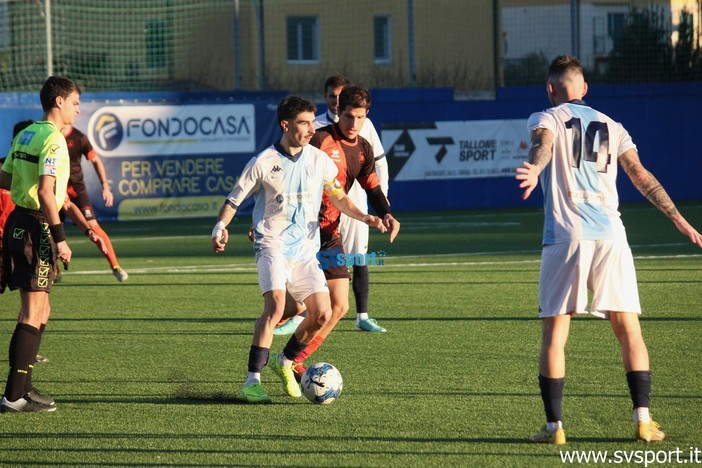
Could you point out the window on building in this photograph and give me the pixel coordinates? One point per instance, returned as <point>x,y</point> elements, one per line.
<point>303,39</point>
<point>381,39</point>
<point>616,22</point>
<point>598,35</point>
<point>156,44</point>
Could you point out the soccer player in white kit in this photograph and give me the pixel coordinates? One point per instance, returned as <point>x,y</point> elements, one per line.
<point>287,180</point>
<point>354,235</point>
<point>574,154</point>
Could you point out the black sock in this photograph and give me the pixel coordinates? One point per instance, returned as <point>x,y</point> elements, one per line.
<point>258,358</point>
<point>21,356</point>
<point>640,388</point>
<point>28,381</point>
<point>552,396</point>
<point>294,348</point>
<point>361,286</point>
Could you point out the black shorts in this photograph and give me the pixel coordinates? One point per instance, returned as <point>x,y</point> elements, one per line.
<point>29,254</point>
<point>330,250</point>
<point>78,194</point>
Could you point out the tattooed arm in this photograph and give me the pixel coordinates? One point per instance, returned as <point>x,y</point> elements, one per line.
<point>650,188</point>
<point>540,155</point>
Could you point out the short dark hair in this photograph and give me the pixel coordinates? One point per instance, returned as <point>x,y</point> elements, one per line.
<point>563,64</point>
<point>21,125</point>
<point>56,86</point>
<point>335,81</point>
<point>354,95</point>
<point>290,106</point>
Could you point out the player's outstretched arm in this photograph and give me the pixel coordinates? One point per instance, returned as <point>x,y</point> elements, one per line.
<point>650,188</point>
<point>540,155</point>
<point>220,236</point>
<point>75,215</point>
<point>343,203</point>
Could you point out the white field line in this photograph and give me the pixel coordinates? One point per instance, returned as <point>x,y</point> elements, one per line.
<point>237,267</point>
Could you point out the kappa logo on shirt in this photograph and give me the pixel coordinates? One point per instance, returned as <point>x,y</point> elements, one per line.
<point>276,169</point>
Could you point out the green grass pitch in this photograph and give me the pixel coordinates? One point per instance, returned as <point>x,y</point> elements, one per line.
<point>146,373</point>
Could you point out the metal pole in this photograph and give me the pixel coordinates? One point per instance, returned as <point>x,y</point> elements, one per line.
<point>237,47</point>
<point>410,42</point>
<point>497,44</point>
<point>49,41</point>
<point>575,27</point>
<point>261,48</point>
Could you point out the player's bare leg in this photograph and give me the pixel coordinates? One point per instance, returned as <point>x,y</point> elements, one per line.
<point>339,297</point>
<point>294,314</point>
<point>627,329</point>
<point>554,336</point>
<point>110,254</point>
<point>319,312</point>
<point>273,309</point>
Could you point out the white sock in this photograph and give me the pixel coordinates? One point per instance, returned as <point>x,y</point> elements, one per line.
<point>642,415</point>
<point>299,318</point>
<point>552,426</point>
<point>361,316</point>
<point>252,378</point>
<point>284,361</point>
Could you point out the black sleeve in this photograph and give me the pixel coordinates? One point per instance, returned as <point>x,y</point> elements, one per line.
<point>378,201</point>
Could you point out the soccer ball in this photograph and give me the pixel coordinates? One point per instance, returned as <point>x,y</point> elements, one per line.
<point>322,383</point>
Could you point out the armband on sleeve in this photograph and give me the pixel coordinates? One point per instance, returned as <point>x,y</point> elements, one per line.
<point>333,188</point>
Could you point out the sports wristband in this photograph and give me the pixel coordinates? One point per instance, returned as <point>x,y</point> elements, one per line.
<point>57,232</point>
<point>217,231</point>
<point>88,232</point>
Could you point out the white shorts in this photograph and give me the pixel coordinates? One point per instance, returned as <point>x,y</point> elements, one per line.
<point>569,270</point>
<point>354,234</point>
<point>301,278</point>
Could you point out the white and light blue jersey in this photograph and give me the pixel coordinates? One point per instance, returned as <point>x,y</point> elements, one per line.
<point>287,194</point>
<point>579,184</point>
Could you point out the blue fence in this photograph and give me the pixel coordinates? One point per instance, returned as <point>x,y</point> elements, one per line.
<point>662,119</point>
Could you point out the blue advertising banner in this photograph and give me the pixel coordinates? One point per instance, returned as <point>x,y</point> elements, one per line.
<point>168,161</point>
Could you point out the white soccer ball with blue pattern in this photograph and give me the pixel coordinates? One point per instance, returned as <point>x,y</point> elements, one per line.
<point>322,383</point>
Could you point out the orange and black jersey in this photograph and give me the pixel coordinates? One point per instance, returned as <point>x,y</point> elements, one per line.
<point>78,145</point>
<point>355,161</point>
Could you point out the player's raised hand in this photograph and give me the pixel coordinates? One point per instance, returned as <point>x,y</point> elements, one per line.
<point>529,175</point>
<point>374,221</point>
<point>220,236</point>
<point>392,225</point>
